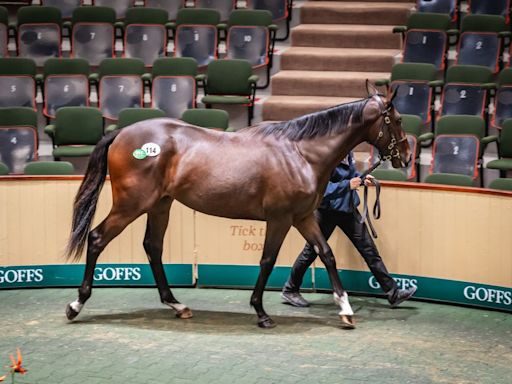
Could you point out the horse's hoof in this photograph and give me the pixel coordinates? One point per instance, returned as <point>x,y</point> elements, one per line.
<point>185,313</point>
<point>347,322</point>
<point>266,323</point>
<point>70,313</point>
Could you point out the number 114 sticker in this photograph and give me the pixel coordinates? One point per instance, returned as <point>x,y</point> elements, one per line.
<point>148,149</point>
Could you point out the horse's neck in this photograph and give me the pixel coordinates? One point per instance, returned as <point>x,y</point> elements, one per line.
<point>326,152</point>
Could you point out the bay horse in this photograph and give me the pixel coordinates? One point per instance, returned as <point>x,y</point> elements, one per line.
<point>275,172</point>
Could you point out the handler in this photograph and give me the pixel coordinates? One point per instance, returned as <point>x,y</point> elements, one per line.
<point>338,209</point>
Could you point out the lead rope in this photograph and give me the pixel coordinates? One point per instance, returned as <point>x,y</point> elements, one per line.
<point>376,207</point>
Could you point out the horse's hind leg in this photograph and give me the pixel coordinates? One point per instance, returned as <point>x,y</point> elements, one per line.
<point>99,237</point>
<point>311,231</point>
<point>276,232</point>
<point>158,219</point>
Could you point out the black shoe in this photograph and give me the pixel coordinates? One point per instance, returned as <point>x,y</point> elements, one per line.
<point>400,295</point>
<point>294,298</point>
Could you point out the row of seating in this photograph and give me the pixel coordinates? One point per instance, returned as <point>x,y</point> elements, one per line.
<point>481,40</point>
<point>465,90</point>
<point>249,35</point>
<point>459,141</point>
<point>453,7</point>
<point>120,83</point>
<point>280,9</point>
<point>76,130</point>
<point>459,144</point>
<point>38,168</point>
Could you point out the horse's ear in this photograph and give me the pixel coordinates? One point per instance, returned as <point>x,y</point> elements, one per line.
<point>370,88</point>
<point>392,96</point>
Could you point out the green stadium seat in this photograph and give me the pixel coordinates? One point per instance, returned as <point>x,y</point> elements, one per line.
<point>224,7</point>
<point>389,175</point>
<point>231,82</point>
<point>171,6</point>
<point>426,38</point>
<point>18,137</point>
<point>504,184</point>
<point>145,34</point>
<point>207,118</point>
<point>119,6</point>
<point>449,179</point>
<point>18,86</point>
<point>466,91</point>
<point>251,36</point>
<point>4,170</point>
<point>481,41</point>
<point>66,7</point>
<point>503,98</point>
<point>120,85</point>
<point>174,85</point>
<point>39,33</point>
<point>129,116</point>
<point>504,162</point>
<point>93,34</point>
<point>49,168</point>
<point>66,84</point>
<point>196,34</point>
<point>75,132</point>
<point>4,32</point>
<point>414,83</point>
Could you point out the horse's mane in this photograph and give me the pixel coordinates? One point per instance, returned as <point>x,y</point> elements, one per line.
<point>326,122</point>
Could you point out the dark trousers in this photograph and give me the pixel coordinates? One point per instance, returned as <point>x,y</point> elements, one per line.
<point>358,235</point>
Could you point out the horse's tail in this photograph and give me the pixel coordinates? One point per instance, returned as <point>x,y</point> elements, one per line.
<point>87,196</point>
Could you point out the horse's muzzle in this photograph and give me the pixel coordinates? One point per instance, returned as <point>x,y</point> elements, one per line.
<point>407,161</point>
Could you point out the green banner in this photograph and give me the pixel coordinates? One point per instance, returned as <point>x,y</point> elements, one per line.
<point>449,291</point>
<point>244,276</point>
<point>104,275</point>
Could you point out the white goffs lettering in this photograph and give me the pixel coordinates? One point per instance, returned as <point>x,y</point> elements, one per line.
<point>117,274</point>
<point>21,275</point>
<point>344,304</point>
<point>489,295</point>
<point>177,306</point>
<point>402,282</point>
<point>151,149</point>
<point>76,306</point>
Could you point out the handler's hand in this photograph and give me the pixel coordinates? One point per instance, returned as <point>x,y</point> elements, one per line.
<point>369,180</point>
<point>355,182</point>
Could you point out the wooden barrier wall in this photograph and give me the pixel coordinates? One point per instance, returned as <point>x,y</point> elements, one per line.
<point>442,234</point>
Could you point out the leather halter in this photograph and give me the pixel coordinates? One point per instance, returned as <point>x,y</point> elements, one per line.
<point>394,151</point>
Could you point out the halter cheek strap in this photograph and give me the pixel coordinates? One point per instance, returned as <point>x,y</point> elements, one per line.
<point>393,152</point>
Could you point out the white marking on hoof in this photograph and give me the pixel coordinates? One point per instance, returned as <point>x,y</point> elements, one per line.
<point>344,304</point>
<point>76,306</point>
<point>177,306</point>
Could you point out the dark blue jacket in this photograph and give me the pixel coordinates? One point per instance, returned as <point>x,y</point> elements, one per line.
<point>338,195</point>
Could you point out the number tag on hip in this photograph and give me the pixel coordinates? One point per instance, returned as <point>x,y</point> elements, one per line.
<point>151,149</point>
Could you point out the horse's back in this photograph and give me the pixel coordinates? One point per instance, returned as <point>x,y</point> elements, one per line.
<point>220,173</point>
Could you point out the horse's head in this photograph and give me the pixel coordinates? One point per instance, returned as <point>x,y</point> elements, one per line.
<point>386,132</point>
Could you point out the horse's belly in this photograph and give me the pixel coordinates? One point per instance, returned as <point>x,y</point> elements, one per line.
<point>229,205</point>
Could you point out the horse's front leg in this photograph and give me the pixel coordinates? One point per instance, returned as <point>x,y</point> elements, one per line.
<point>276,232</point>
<point>310,229</point>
